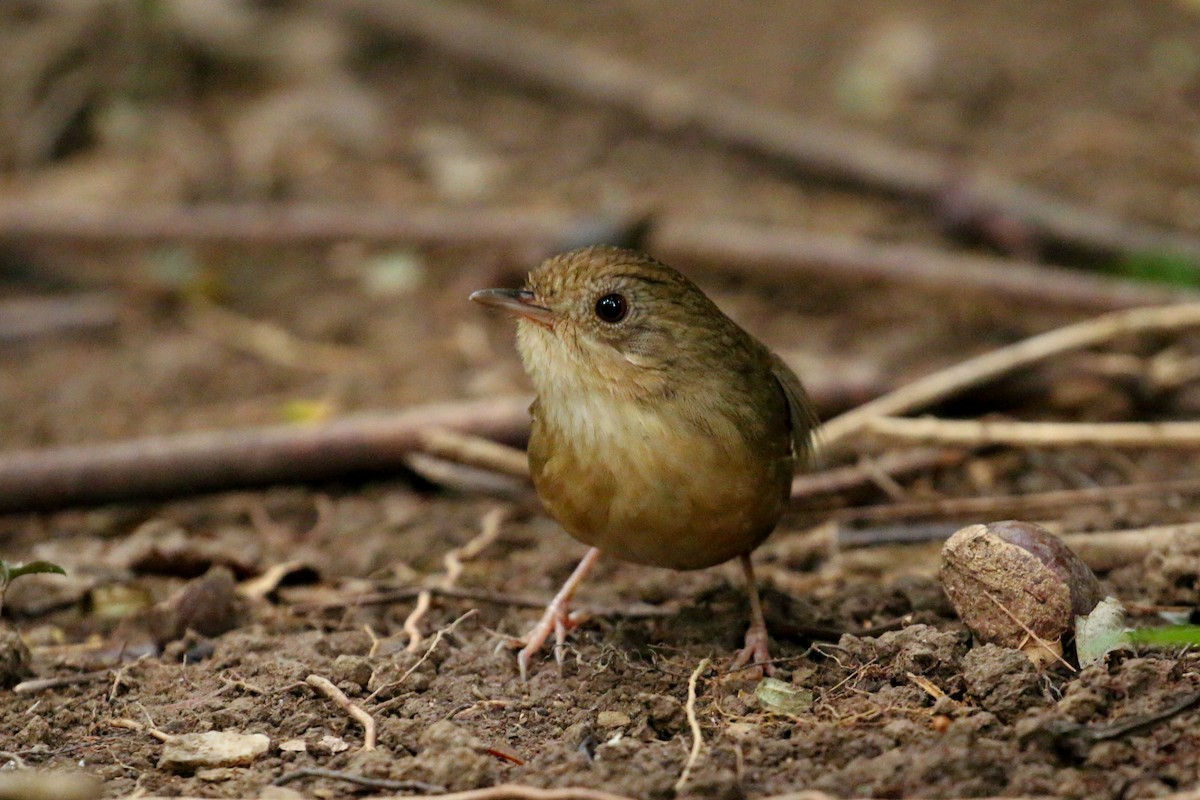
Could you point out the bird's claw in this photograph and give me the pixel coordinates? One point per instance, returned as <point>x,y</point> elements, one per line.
<point>754,659</point>
<point>557,619</point>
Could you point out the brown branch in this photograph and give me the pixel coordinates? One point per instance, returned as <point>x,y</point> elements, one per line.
<point>325,686</point>
<point>627,610</point>
<point>191,463</point>
<point>987,366</point>
<point>1100,550</point>
<point>176,465</point>
<point>894,464</point>
<point>785,254</point>
<point>474,451</point>
<point>1160,491</point>
<point>263,224</point>
<point>480,37</point>
<point>981,433</point>
<point>27,318</point>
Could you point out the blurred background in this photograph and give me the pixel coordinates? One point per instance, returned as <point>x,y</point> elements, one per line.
<point>217,215</point>
<point>224,212</point>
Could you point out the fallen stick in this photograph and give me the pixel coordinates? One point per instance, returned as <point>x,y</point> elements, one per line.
<point>175,465</point>
<point>981,433</point>
<point>25,318</point>
<point>693,725</point>
<point>193,463</point>
<point>977,370</point>
<point>894,464</point>
<point>263,224</point>
<point>787,254</point>
<point>325,686</point>
<point>480,37</point>
<point>1101,550</point>
<point>1021,504</point>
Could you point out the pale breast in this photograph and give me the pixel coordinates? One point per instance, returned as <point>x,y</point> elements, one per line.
<point>647,486</point>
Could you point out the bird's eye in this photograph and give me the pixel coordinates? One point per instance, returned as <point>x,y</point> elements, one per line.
<point>612,308</point>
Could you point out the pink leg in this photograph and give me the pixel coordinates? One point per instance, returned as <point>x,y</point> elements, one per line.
<point>754,656</point>
<point>556,618</point>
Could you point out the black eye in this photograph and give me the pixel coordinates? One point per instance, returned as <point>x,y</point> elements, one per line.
<point>612,308</point>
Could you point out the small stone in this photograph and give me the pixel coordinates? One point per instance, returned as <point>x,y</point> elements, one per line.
<point>333,744</point>
<point>14,659</point>
<point>32,784</point>
<point>352,669</point>
<point>612,719</point>
<point>216,774</point>
<point>192,751</point>
<point>293,746</point>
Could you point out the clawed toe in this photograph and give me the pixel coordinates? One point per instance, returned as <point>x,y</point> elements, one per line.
<point>754,659</point>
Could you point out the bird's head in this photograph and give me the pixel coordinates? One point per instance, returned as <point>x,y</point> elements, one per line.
<point>614,320</point>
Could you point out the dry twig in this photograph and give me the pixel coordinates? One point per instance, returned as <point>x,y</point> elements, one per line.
<point>326,687</point>
<point>1100,550</point>
<point>359,780</point>
<point>1160,491</point>
<point>533,229</point>
<point>694,724</point>
<point>42,684</point>
<point>453,560</point>
<point>190,463</point>
<point>412,623</point>
<point>981,433</point>
<point>474,451</point>
<point>979,369</point>
<point>36,317</point>
<point>788,254</point>
<point>894,464</point>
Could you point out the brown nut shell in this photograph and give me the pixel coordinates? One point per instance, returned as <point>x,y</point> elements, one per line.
<point>1009,579</point>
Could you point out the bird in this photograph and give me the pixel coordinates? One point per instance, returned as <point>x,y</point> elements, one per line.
<point>662,433</point>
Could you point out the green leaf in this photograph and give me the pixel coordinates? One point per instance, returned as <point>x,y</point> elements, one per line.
<point>1159,267</point>
<point>1101,631</point>
<point>11,572</point>
<point>783,698</point>
<point>1172,635</point>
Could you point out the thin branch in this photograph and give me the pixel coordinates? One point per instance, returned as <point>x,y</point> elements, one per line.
<point>359,780</point>
<point>1100,550</point>
<point>979,369</point>
<point>894,464</point>
<point>627,610</point>
<point>1159,491</point>
<point>980,433</point>
<point>176,465</point>
<point>192,463</point>
<point>24,318</point>
<point>540,229</point>
<point>694,725</point>
<point>788,254</point>
<point>551,62</point>
<point>474,451</point>
<point>326,687</point>
<point>412,623</point>
<point>42,684</point>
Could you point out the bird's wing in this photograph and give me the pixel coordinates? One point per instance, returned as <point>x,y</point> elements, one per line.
<point>801,413</point>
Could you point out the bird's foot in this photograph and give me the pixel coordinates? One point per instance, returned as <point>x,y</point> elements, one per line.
<point>754,660</point>
<point>557,619</point>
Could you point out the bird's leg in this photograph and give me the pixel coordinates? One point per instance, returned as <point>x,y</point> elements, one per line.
<point>754,656</point>
<point>557,618</point>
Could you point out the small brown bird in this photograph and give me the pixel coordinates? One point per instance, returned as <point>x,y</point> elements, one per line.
<point>663,433</point>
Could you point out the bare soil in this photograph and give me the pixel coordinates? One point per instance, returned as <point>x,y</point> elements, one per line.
<point>1094,101</point>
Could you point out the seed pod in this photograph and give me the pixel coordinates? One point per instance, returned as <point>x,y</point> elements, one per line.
<point>1017,585</point>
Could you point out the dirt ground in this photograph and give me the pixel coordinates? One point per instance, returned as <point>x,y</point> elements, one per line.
<point>1094,101</point>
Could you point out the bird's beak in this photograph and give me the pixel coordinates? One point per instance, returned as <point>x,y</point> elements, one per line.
<point>518,301</point>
